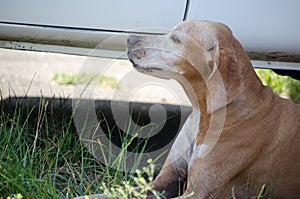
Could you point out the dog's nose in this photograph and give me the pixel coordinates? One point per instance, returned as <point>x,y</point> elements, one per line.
<point>132,40</point>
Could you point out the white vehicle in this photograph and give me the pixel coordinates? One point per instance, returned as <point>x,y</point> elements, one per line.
<point>269,30</point>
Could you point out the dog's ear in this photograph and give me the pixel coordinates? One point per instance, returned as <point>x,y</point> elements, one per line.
<point>225,81</point>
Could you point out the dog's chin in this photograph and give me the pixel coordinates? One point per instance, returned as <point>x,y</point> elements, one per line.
<point>146,69</point>
<point>151,70</point>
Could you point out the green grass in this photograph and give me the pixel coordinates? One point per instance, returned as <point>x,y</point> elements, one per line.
<point>282,85</point>
<point>41,156</point>
<point>84,78</point>
<point>125,189</point>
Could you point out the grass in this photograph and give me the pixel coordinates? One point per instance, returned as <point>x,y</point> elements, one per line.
<point>282,85</point>
<point>84,78</point>
<point>42,156</point>
<point>126,189</point>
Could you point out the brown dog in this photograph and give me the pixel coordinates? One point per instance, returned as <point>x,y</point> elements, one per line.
<point>245,135</point>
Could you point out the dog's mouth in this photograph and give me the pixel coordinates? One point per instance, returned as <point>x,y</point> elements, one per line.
<point>151,66</point>
<point>136,58</point>
<point>144,69</point>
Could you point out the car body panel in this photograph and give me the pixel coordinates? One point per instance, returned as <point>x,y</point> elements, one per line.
<point>113,15</point>
<point>268,30</point>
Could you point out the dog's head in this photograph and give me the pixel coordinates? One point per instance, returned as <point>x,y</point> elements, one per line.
<point>201,50</point>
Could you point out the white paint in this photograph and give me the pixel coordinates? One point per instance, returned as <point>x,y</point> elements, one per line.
<point>263,26</point>
<point>95,14</point>
<point>275,65</point>
<point>63,49</point>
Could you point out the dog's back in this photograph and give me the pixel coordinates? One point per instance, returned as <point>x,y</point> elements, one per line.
<point>282,156</point>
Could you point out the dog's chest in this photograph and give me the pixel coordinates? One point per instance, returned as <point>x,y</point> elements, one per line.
<point>184,145</point>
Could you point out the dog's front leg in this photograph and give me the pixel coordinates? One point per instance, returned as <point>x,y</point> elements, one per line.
<point>173,175</point>
<point>171,178</point>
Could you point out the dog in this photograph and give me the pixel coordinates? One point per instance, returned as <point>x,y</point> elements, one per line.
<point>239,135</point>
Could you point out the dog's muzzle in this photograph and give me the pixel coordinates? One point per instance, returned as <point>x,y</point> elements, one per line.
<point>135,51</point>
<point>133,41</point>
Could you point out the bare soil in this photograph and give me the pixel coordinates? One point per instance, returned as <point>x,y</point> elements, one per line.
<point>31,73</point>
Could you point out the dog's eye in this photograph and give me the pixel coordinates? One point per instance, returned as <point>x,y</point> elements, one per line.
<point>212,48</point>
<point>175,39</point>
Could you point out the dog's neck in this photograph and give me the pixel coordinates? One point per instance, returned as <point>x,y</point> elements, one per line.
<point>238,110</point>
<point>195,89</point>
<point>255,98</point>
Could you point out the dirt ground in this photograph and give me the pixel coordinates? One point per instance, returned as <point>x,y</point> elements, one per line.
<point>31,73</point>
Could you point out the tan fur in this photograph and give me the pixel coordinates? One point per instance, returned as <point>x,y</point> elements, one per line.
<point>260,136</point>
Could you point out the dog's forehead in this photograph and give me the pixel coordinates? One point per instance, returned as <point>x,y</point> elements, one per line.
<point>204,32</point>
<point>195,26</point>
<point>195,30</point>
